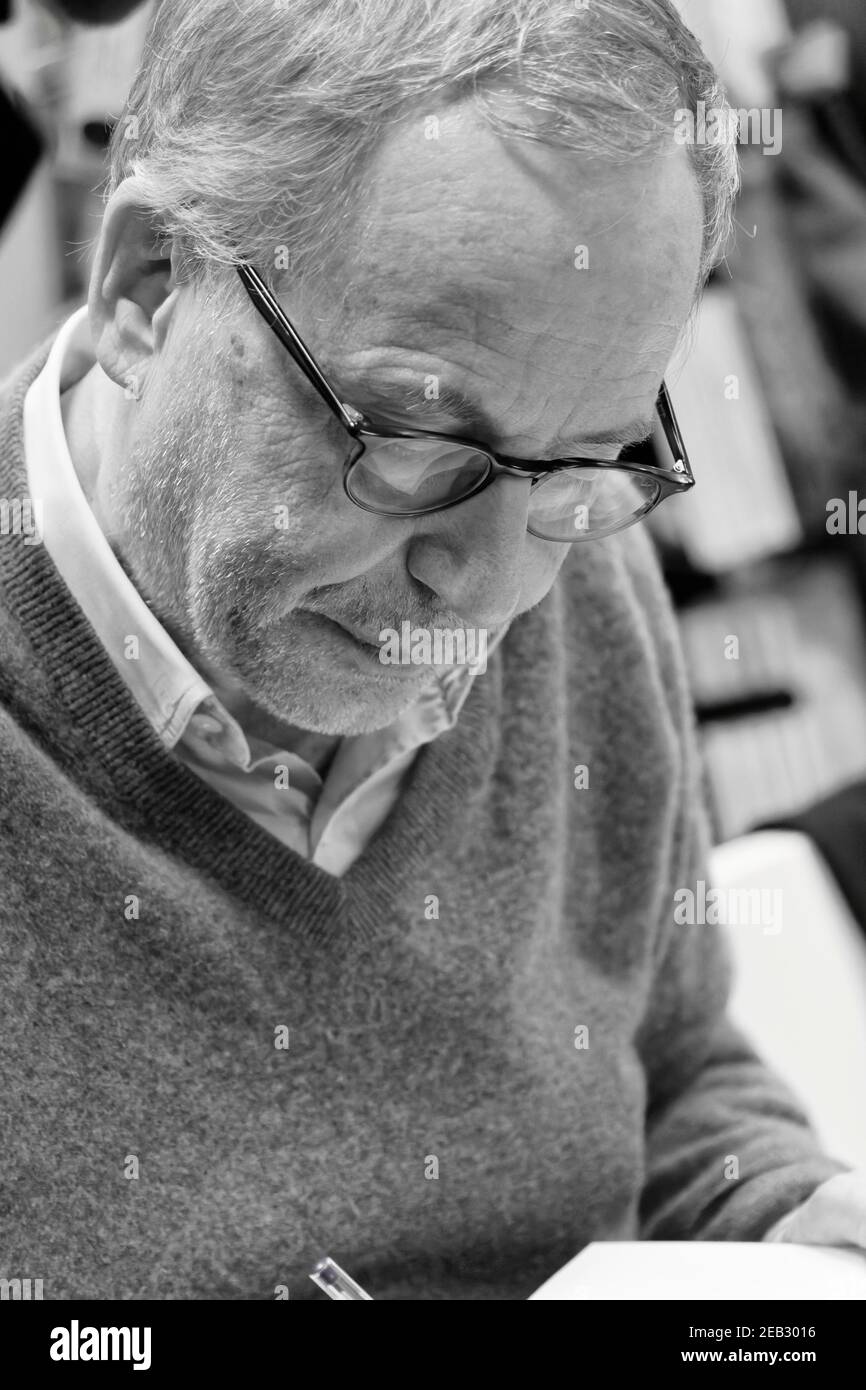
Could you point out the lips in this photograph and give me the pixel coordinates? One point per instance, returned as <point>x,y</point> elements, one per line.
<point>364,641</point>
<point>368,653</point>
<point>326,618</point>
<point>372,643</point>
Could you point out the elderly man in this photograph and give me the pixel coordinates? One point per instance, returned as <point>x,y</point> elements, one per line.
<point>305,951</point>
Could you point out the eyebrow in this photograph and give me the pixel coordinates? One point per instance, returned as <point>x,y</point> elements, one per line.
<point>451,401</point>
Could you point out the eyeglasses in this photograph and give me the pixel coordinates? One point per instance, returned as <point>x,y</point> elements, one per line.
<point>407,472</point>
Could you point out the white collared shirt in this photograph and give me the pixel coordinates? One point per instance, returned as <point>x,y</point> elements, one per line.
<point>330,820</point>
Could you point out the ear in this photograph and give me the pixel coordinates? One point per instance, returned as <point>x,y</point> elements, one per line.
<point>133,290</point>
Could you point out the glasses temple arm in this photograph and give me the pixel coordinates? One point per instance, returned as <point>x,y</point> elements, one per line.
<point>276,320</point>
<point>665,412</point>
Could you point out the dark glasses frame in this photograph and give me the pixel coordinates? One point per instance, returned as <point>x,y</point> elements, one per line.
<point>679,478</point>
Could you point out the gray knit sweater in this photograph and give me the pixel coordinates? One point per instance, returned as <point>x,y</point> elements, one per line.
<point>267,1063</point>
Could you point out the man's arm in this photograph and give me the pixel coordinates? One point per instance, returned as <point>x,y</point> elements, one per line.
<point>728,1149</point>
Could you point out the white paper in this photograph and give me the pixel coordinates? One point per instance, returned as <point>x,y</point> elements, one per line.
<point>704,1269</point>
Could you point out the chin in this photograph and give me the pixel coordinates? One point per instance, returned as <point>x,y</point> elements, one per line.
<point>340,708</point>
<point>330,695</point>
<point>308,672</point>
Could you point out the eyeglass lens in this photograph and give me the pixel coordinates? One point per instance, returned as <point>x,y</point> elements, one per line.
<point>403,475</point>
<point>413,475</point>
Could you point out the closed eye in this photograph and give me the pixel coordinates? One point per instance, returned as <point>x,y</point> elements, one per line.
<point>442,409</point>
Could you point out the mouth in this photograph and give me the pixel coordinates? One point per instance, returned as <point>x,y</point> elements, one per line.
<point>371,643</point>
<point>363,649</point>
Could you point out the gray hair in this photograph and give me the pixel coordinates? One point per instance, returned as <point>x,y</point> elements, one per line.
<point>250,122</point>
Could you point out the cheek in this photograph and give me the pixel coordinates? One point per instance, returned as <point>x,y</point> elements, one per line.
<point>275,472</point>
<point>272,520</point>
<point>296,499</point>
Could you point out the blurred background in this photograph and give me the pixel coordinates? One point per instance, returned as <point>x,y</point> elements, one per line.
<point>769,584</point>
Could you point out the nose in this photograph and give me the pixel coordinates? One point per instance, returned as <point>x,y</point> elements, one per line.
<point>470,555</point>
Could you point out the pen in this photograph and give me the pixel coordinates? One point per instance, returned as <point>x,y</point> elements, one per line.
<point>336,1283</point>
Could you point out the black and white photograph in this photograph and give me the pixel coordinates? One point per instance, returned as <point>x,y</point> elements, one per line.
<point>432,670</point>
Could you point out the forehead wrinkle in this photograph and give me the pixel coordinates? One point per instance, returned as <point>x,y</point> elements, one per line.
<point>390,309</point>
<point>399,309</point>
<point>564,338</point>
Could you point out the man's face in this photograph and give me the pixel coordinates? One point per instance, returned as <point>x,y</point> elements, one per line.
<point>458,269</point>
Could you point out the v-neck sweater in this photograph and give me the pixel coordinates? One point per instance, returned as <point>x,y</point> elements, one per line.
<point>486,1045</point>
